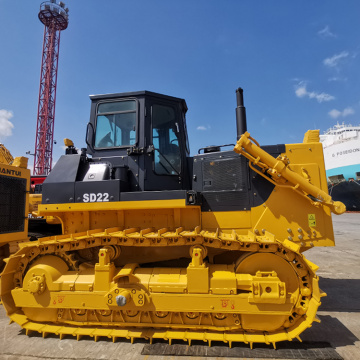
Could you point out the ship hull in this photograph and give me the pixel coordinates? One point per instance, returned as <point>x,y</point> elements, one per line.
<point>342,162</point>
<point>348,192</point>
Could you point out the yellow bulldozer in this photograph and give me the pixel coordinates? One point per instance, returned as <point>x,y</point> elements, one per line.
<point>14,188</point>
<point>156,243</point>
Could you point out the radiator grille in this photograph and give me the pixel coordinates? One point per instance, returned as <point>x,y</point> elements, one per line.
<point>225,184</point>
<point>225,174</point>
<point>12,204</point>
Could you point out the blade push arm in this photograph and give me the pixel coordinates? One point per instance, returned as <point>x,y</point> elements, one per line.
<point>282,175</point>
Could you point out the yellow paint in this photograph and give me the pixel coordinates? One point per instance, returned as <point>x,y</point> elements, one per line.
<point>268,293</point>
<point>280,169</point>
<point>68,142</point>
<point>226,220</point>
<point>5,155</point>
<point>263,304</point>
<point>113,205</point>
<point>312,136</point>
<point>104,271</point>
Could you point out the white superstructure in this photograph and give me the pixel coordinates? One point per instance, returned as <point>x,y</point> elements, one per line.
<point>341,145</point>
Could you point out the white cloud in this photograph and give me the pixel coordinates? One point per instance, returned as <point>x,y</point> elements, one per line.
<point>334,113</point>
<point>320,97</point>
<point>301,91</point>
<point>201,128</point>
<point>335,59</point>
<point>326,33</point>
<point>6,125</point>
<point>348,111</point>
<point>337,78</point>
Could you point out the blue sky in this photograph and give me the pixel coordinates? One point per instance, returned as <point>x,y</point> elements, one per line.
<point>298,62</point>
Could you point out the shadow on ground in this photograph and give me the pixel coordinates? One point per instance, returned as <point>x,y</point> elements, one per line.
<point>331,330</point>
<point>285,350</point>
<point>342,295</point>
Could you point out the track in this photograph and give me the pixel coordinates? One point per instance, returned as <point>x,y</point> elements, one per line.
<point>154,320</point>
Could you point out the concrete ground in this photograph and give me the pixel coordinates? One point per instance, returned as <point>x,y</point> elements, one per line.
<point>340,278</point>
<point>339,315</point>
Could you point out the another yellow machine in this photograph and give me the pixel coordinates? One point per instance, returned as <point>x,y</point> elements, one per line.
<point>14,188</point>
<point>5,155</point>
<point>158,244</point>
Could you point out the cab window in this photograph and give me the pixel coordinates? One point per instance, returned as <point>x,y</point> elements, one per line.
<point>165,135</point>
<point>115,124</point>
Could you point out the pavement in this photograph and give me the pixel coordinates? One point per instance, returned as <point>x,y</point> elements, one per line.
<point>339,313</point>
<point>340,278</point>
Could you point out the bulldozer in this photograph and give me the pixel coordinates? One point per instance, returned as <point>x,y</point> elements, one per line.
<point>14,202</point>
<point>158,244</point>
<point>18,206</point>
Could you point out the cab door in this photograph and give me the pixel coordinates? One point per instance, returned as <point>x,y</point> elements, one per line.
<point>165,159</point>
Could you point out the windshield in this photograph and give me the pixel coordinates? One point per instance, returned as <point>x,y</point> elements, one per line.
<point>116,124</point>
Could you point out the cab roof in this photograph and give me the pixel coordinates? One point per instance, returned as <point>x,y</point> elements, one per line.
<point>139,94</point>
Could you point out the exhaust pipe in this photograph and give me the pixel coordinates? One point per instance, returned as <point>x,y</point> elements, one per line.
<point>241,126</point>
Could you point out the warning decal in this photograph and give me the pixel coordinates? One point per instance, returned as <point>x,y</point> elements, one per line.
<point>312,220</point>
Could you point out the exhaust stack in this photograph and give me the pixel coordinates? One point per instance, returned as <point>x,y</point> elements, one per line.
<point>241,126</point>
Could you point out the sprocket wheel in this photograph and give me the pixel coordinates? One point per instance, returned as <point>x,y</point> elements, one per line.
<point>251,263</point>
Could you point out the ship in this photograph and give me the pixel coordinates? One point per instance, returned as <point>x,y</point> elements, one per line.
<point>341,145</point>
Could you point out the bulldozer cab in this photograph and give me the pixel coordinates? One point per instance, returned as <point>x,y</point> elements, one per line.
<point>144,132</point>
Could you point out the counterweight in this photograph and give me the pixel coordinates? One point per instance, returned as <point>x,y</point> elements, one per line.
<point>55,18</point>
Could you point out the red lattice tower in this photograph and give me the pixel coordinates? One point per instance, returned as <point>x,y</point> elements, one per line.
<point>55,18</point>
